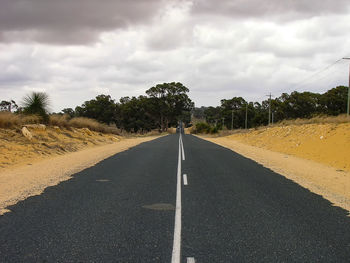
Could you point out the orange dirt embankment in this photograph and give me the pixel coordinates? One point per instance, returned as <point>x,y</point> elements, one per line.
<point>324,143</point>
<point>16,149</point>
<point>27,167</point>
<point>317,156</point>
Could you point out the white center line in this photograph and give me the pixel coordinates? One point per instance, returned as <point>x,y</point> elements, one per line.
<point>182,148</point>
<point>176,254</point>
<point>185,179</point>
<point>191,260</point>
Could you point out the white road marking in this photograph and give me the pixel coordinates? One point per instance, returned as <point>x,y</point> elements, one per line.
<point>182,148</point>
<point>185,179</point>
<point>191,260</point>
<point>176,254</point>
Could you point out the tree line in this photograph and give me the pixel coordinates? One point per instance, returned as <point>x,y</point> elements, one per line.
<point>162,107</point>
<point>232,112</point>
<point>165,104</point>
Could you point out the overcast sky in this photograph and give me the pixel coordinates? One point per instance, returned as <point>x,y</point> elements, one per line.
<point>77,49</point>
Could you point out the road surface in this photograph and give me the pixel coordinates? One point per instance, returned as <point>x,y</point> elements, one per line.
<point>175,200</point>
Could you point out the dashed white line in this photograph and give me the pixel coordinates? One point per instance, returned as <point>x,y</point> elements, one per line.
<point>182,148</point>
<point>191,260</point>
<point>176,254</point>
<point>185,179</point>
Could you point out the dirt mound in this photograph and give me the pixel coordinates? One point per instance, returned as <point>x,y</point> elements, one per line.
<point>16,149</point>
<point>324,143</point>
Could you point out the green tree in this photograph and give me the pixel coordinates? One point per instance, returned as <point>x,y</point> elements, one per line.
<point>135,114</point>
<point>171,102</point>
<point>238,105</point>
<point>37,103</point>
<point>198,113</point>
<point>69,111</point>
<point>102,109</point>
<point>212,114</point>
<point>334,101</point>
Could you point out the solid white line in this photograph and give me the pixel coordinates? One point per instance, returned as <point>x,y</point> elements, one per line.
<point>176,255</point>
<point>191,260</point>
<point>182,148</point>
<point>185,179</point>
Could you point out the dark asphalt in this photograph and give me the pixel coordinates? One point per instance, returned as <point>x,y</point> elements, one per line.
<point>122,210</point>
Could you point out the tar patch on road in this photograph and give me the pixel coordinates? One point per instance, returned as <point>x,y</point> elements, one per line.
<point>160,207</point>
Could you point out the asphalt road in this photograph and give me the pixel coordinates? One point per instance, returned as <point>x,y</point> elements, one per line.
<point>132,207</point>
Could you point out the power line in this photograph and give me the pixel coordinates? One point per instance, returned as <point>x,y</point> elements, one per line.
<point>317,73</point>
<point>323,76</point>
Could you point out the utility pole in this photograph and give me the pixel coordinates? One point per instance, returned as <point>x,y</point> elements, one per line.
<point>232,120</point>
<point>272,117</point>
<point>223,122</point>
<point>270,95</point>
<point>347,110</point>
<point>246,116</point>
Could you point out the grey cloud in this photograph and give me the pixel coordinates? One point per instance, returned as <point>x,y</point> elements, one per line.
<point>166,40</point>
<point>216,58</point>
<point>70,21</point>
<point>281,8</point>
<point>170,36</point>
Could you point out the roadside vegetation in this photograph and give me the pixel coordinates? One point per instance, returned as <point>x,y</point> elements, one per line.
<point>9,120</point>
<point>165,104</point>
<point>36,103</point>
<point>162,107</point>
<point>287,109</point>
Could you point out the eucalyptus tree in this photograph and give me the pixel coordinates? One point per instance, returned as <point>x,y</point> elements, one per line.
<point>171,103</point>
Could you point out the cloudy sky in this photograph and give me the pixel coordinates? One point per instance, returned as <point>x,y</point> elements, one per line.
<point>77,49</point>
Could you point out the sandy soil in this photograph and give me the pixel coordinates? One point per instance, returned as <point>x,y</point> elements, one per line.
<point>28,167</point>
<point>315,156</point>
<point>16,150</point>
<point>324,143</point>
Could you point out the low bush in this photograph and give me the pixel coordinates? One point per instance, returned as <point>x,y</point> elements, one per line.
<point>214,130</point>
<point>203,127</point>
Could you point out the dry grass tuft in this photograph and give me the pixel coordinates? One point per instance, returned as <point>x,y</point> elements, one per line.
<point>93,125</point>
<point>11,120</point>
<point>59,120</point>
<point>63,121</point>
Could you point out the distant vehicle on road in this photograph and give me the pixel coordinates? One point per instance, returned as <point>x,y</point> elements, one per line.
<point>179,128</point>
